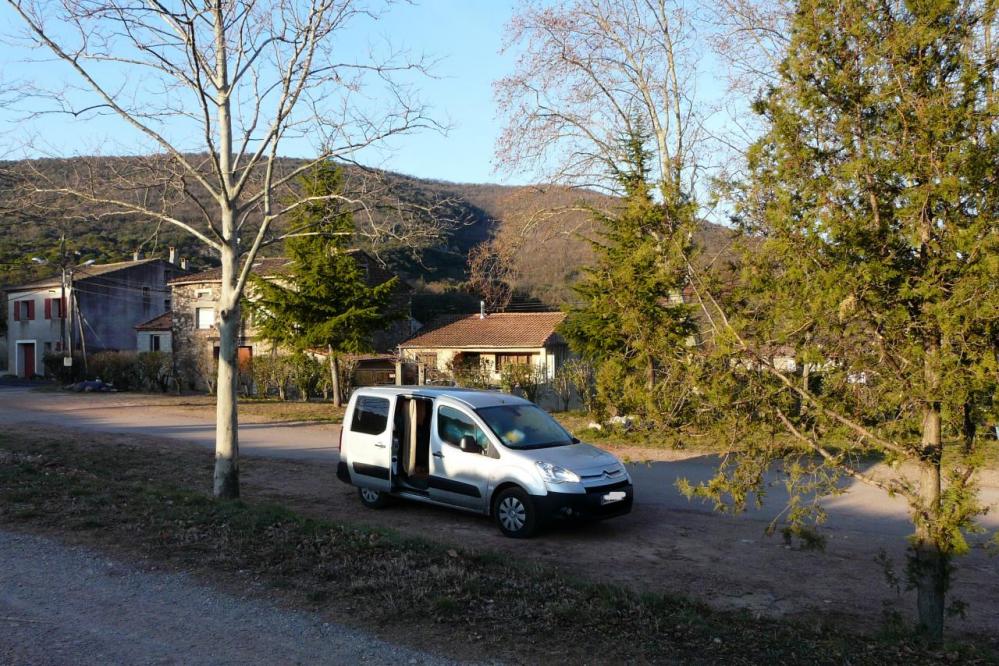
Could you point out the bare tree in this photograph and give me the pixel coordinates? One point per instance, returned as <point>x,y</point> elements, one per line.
<point>592,70</point>
<point>490,273</point>
<point>214,90</point>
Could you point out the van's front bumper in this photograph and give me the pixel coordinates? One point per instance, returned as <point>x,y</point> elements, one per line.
<point>597,502</point>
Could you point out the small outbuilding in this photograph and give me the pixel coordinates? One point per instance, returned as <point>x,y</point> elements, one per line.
<point>155,335</point>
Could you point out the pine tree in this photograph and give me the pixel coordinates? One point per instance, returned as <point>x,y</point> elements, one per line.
<point>324,301</point>
<point>874,197</point>
<point>631,323</point>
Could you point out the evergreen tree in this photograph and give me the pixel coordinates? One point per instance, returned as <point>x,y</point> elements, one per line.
<point>631,323</point>
<point>324,301</point>
<point>874,197</point>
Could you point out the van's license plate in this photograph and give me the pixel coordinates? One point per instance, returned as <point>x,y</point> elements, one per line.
<point>615,496</point>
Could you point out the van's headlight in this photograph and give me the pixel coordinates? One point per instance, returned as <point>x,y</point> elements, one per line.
<point>555,474</point>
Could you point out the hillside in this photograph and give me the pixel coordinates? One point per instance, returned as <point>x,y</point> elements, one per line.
<point>543,231</point>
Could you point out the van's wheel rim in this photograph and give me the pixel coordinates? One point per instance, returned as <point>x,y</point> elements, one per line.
<point>369,495</point>
<point>512,514</point>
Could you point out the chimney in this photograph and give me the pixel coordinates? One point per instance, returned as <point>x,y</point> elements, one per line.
<point>135,255</point>
<point>173,255</point>
<point>482,309</point>
<point>183,263</point>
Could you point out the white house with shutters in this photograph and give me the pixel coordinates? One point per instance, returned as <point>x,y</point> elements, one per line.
<point>95,309</point>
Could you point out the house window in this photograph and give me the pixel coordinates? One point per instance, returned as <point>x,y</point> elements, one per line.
<point>428,359</point>
<point>146,300</point>
<point>166,304</point>
<point>154,343</point>
<point>203,293</point>
<point>48,347</point>
<point>205,317</point>
<point>53,308</point>
<point>503,360</point>
<point>24,310</point>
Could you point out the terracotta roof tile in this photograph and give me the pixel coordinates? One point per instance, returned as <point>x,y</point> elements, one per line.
<point>161,322</point>
<point>502,329</point>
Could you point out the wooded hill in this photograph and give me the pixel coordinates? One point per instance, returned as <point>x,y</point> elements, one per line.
<point>542,229</point>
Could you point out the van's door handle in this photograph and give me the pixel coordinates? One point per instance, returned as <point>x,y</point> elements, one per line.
<point>379,446</point>
<point>438,454</point>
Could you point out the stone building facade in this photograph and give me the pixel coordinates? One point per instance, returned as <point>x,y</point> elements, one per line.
<point>195,298</point>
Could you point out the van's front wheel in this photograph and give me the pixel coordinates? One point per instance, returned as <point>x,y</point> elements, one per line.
<point>515,513</point>
<point>373,499</point>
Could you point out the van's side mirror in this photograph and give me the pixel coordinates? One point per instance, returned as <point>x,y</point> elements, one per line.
<point>576,440</point>
<point>469,445</point>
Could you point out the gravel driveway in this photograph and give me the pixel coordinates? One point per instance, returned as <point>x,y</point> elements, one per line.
<point>68,605</point>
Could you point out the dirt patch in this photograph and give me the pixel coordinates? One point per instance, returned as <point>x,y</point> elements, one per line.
<point>727,562</point>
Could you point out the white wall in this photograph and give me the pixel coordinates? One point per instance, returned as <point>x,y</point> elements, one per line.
<point>40,330</point>
<point>143,341</point>
<point>541,356</point>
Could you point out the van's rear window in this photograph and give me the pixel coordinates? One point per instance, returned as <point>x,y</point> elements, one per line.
<point>370,415</point>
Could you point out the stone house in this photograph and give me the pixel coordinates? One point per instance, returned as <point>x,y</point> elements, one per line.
<point>493,341</point>
<point>195,337</point>
<point>94,308</point>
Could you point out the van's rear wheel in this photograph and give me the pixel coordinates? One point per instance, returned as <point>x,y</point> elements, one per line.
<point>515,513</point>
<point>373,499</point>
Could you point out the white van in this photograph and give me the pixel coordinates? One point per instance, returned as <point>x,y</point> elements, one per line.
<point>481,451</point>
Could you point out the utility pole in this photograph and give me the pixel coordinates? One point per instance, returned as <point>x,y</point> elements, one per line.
<point>67,350</point>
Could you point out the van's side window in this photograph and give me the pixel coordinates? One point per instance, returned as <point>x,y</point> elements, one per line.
<point>370,415</point>
<point>452,425</point>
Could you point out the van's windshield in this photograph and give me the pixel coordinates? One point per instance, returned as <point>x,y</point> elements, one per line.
<point>524,426</point>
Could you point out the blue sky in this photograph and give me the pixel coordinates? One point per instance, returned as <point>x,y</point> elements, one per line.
<point>466,34</point>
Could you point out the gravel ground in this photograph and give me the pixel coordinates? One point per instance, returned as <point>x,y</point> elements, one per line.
<point>68,605</point>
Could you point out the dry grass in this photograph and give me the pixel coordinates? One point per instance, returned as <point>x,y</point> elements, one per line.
<point>252,410</point>
<point>147,502</point>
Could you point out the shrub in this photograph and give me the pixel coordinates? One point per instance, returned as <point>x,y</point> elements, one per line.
<point>470,373</point>
<point>579,374</point>
<point>120,369</point>
<point>305,373</point>
<point>154,371</point>
<point>527,377</point>
<point>55,368</point>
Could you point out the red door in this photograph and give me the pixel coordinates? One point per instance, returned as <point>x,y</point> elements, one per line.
<point>28,354</point>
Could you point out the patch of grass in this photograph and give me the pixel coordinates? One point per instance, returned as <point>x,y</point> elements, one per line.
<point>148,503</point>
<point>264,410</point>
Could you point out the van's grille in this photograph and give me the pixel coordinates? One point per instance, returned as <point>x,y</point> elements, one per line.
<point>606,488</point>
<point>607,473</point>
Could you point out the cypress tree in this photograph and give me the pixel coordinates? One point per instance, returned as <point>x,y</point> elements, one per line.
<point>631,321</point>
<point>324,300</point>
<point>873,197</point>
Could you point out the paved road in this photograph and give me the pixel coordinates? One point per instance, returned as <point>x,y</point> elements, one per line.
<point>71,605</point>
<point>860,508</point>
<point>126,413</point>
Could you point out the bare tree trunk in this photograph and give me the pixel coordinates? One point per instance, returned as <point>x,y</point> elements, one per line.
<point>929,565</point>
<point>335,378</point>
<point>226,484</point>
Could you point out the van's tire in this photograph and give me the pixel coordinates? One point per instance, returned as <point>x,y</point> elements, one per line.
<point>515,513</point>
<point>373,499</point>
